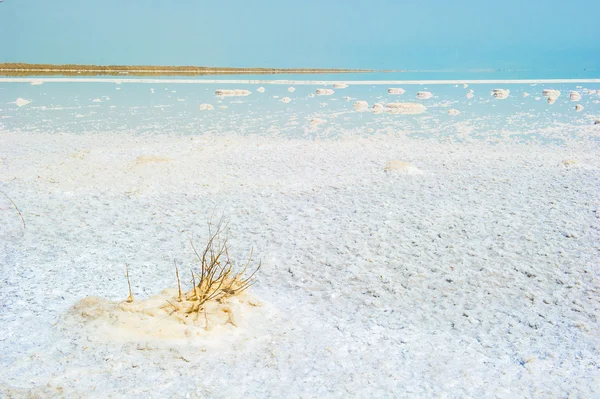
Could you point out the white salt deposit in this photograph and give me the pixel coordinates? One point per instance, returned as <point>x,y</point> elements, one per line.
<point>465,85</point>
<point>579,108</point>
<point>500,94</point>
<point>37,82</point>
<point>424,95</point>
<point>551,100</point>
<point>470,95</point>
<point>21,102</point>
<point>260,90</point>
<point>324,92</point>
<point>206,107</point>
<point>378,108</point>
<point>525,94</point>
<point>232,93</point>
<point>396,90</point>
<point>340,86</point>
<point>291,89</point>
<point>285,100</point>
<point>551,93</point>
<point>405,108</point>
<point>316,122</point>
<point>453,112</point>
<point>574,96</point>
<point>96,100</point>
<point>361,106</point>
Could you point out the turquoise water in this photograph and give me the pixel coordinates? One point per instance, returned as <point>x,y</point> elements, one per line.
<point>163,106</point>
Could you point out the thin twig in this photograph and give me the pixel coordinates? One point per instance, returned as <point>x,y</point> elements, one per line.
<point>130,297</point>
<point>16,207</point>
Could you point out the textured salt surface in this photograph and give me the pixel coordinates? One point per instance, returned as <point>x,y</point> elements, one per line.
<point>477,278</point>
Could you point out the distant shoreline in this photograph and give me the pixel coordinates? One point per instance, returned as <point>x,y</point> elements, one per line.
<point>22,69</point>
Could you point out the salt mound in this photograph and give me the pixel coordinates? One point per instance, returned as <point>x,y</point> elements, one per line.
<point>402,168</point>
<point>396,90</point>
<point>96,100</point>
<point>551,93</point>
<point>424,95</point>
<point>361,106</point>
<point>525,94</point>
<point>465,85</point>
<point>291,89</point>
<point>551,100</point>
<point>378,108</point>
<point>37,82</point>
<point>574,96</point>
<point>311,95</point>
<point>453,112</point>
<point>470,95</point>
<point>285,100</point>
<point>162,316</point>
<point>260,90</point>
<point>500,94</point>
<point>324,92</point>
<point>406,108</point>
<point>579,108</point>
<point>597,122</point>
<point>232,93</point>
<point>598,92</point>
<point>340,85</point>
<point>21,102</point>
<point>316,122</point>
<point>206,107</point>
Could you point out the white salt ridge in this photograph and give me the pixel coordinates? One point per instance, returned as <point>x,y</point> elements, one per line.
<point>21,102</point>
<point>500,94</point>
<point>405,108</point>
<point>424,95</point>
<point>232,93</point>
<point>324,92</point>
<point>340,85</point>
<point>206,107</point>
<point>396,90</point>
<point>361,106</point>
<point>285,100</point>
<point>453,112</point>
<point>574,96</point>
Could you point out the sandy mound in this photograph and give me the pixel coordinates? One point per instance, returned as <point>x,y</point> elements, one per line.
<point>21,102</point>
<point>232,93</point>
<point>340,85</point>
<point>403,168</point>
<point>396,90</point>
<point>361,106</point>
<point>206,107</point>
<point>500,94</point>
<point>325,92</point>
<point>453,112</point>
<point>405,108</point>
<point>285,100</point>
<point>424,95</point>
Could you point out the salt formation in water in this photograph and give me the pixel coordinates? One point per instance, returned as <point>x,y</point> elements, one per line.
<point>500,94</point>
<point>551,93</point>
<point>525,94</point>
<point>37,82</point>
<point>551,100</point>
<point>285,100</point>
<point>21,102</point>
<point>260,90</point>
<point>340,85</point>
<point>311,95</point>
<point>396,90</point>
<point>206,107</point>
<point>96,100</point>
<point>405,108</point>
<point>361,106</point>
<point>598,92</point>
<point>324,92</point>
<point>424,95</point>
<point>465,85</point>
<point>378,108</point>
<point>291,89</point>
<point>574,96</point>
<point>453,112</point>
<point>399,167</point>
<point>579,107</point>
<point>232,93</point>
<point>470,95</point>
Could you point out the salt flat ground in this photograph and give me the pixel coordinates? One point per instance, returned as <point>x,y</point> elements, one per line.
<point>479,278</point>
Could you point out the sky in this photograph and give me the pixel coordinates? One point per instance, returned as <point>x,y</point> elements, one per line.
<point>382,34</point>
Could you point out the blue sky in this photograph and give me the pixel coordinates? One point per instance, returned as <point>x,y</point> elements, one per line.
<point>383,34</point>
